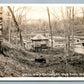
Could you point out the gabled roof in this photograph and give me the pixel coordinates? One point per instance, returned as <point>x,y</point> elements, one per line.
<point>39,37</point>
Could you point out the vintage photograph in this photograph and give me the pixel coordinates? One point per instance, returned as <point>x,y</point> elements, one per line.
<point>42,41</point>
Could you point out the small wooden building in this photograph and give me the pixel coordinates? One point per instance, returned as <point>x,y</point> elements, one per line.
<point>39,42</point>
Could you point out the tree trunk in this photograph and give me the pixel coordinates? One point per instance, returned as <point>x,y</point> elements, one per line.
<point>1,27</point>
<point>73,29</point>
<point>68,31</point>
<point>17,26</point>
<point>50,28</point>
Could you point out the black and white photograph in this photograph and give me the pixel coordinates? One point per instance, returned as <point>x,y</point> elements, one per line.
<point>42,41</point>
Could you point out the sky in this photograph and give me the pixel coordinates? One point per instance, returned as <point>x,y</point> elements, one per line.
<point>41,82</point>
<point>36,13</point>
<point>40,12</point>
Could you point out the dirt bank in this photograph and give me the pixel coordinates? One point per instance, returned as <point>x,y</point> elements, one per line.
<point>18,62</point>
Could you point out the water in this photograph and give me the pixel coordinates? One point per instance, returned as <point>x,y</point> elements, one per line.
<point>79,49</point>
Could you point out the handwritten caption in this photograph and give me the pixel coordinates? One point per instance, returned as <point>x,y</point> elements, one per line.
<point>53,74</point>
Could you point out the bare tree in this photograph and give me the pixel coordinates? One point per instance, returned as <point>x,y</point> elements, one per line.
<point>68,30</point>
<point>82,9</point>
<point>17,16</point>
<point>1,27</point>
<point>9,26</point>
<point>73,29</point>
<point>16,24</point>
<point>50,28</point>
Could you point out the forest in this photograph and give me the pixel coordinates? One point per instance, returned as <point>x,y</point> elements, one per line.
<point>61,41</point>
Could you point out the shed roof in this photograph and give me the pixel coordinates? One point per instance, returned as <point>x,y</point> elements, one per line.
<point>39,37</point>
